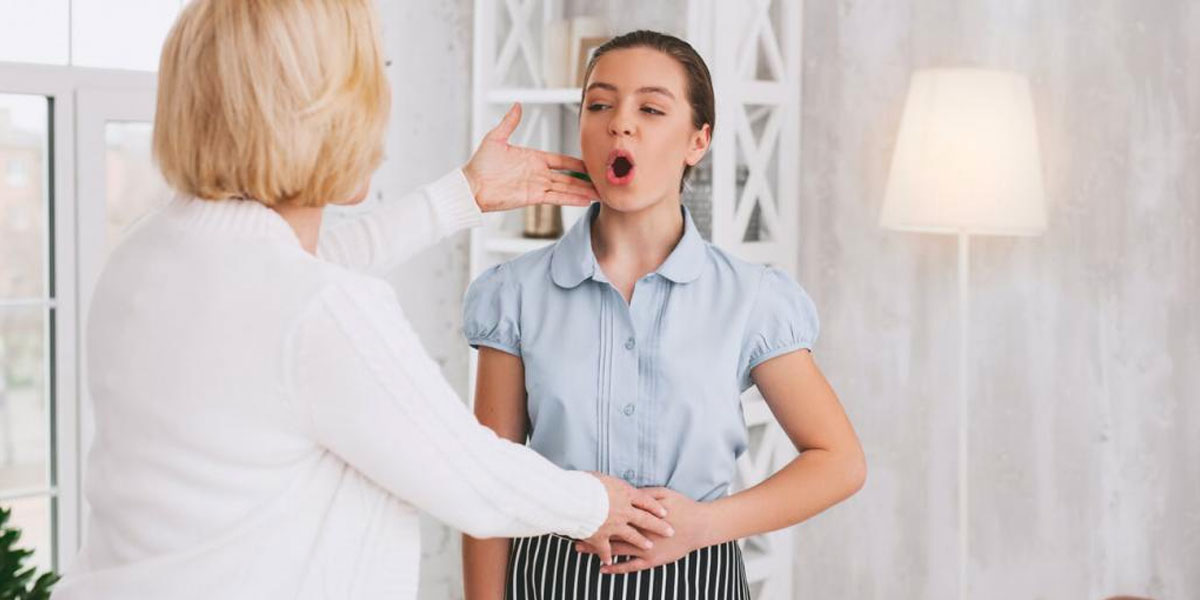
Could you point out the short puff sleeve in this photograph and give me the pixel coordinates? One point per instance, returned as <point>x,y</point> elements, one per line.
<point>782,319</point>
<point>492,312</point>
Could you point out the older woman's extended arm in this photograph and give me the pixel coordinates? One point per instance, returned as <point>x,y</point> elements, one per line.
<point>364,386</point>
<point>499,176</point>
<point>381,239</point>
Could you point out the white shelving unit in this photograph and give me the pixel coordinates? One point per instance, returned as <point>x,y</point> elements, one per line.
<point>753,49</point>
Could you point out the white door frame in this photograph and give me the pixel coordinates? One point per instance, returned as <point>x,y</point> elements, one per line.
<point>96,108</point>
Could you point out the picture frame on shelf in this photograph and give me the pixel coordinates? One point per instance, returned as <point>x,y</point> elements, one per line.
<point>587,46</point>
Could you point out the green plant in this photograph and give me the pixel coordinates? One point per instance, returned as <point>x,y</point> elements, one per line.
<point>15,578</point>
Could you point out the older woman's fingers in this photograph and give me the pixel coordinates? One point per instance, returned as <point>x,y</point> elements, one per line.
<point>564,199</point>
<point>570,188</point>
<point>605,551</point>
<point>646,522</point>
<point>629,566</point>
<point>633,536</point>
<point>659,493</point>
<point>507,125</point>
<point>648,502</point>
<point>561,161</point>
<point>576,184</point>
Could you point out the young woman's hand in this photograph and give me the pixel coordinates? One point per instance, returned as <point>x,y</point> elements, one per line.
<point>691,522</point>
<point>503,176</point>
<point>633,517</point>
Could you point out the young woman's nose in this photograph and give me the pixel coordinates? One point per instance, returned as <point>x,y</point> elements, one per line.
<point>620,124</point>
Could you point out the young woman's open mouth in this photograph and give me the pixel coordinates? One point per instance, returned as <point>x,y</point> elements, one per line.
<point>620,167</point>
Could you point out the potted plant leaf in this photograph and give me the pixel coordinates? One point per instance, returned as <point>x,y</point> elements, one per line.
<point>19,582</point>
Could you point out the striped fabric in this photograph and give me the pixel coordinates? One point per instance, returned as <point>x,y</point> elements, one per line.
<point>549,568</point>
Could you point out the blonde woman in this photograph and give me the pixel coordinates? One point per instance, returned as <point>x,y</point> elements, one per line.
<point>267,423</point>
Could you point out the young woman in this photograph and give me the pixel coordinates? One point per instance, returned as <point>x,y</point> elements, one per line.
<point>624,349</point>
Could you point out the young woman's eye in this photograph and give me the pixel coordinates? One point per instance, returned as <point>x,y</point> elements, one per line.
<point>595,106</point>
<point>650,110</point>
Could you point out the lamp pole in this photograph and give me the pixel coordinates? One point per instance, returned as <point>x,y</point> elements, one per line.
<point>964,313</point>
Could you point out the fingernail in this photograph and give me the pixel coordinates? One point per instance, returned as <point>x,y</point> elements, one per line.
<point>648,545</point>
<point>670,532</point>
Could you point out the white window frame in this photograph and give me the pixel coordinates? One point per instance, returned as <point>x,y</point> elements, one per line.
<point>82,101</point>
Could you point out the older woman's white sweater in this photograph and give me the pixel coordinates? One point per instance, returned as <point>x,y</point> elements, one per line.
<point>268,424</point>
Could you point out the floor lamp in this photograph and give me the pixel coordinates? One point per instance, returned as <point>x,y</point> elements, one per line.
<point>966,163</point>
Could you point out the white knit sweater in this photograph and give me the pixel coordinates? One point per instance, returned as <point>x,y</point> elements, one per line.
<point>268,424</point>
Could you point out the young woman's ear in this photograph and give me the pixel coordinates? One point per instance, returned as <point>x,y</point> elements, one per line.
<point>698,145</point>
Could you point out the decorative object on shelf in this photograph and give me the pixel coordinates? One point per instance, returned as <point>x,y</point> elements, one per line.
<point>587,34</point>
<point>587,46</point>
<point>966,162</point>
<point>15,579</point>
<point>543,221</point>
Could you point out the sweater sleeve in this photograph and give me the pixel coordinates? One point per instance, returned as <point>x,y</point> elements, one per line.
<point>386,235</point>
<point>372,396</point>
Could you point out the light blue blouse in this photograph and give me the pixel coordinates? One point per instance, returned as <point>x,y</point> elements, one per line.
<point>647,391</point>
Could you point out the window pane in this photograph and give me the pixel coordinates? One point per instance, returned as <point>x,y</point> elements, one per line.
<point>134,185</point>
<point>120,34</point>
<point>34,31</point>
<point>24,127</point>
<point>24,410</point>
<point>32,517</point>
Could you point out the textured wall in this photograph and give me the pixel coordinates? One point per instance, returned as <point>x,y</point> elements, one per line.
<point>1085,341</point>
<point>429,44</point>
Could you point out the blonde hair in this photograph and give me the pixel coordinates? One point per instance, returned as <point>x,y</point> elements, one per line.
<point>280,101</point>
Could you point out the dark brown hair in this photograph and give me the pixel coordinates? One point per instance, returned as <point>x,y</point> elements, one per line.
<point>699,81</point>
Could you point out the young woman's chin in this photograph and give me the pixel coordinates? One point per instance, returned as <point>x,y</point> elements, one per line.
<point>627,199</point>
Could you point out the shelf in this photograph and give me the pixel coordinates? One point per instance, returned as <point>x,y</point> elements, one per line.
<point>534,95</point>
<point>513,246</point>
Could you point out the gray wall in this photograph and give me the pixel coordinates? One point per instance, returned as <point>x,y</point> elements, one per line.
<point>1085,341</point>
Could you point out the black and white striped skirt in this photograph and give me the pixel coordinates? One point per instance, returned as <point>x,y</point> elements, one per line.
<point>549,568</point>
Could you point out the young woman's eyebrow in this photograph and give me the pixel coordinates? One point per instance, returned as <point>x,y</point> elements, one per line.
<point>600,85</point>
<point>656,90</point>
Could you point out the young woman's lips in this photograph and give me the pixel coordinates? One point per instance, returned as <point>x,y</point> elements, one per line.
<point>620,167</point>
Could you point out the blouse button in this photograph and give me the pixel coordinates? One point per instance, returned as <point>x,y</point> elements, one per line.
<point>629,344</point>
<point>629,408</point>
<point>629,475</point>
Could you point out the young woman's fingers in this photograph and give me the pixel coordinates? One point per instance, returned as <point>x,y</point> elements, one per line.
<point>648,502</point>
<point>629,566</point>
<point>561,161</point>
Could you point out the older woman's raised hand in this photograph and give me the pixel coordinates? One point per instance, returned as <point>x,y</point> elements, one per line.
<point>632,513</point>
<point>503,176</point>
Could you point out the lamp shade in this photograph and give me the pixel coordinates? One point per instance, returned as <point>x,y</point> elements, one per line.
<point>966,159</point>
